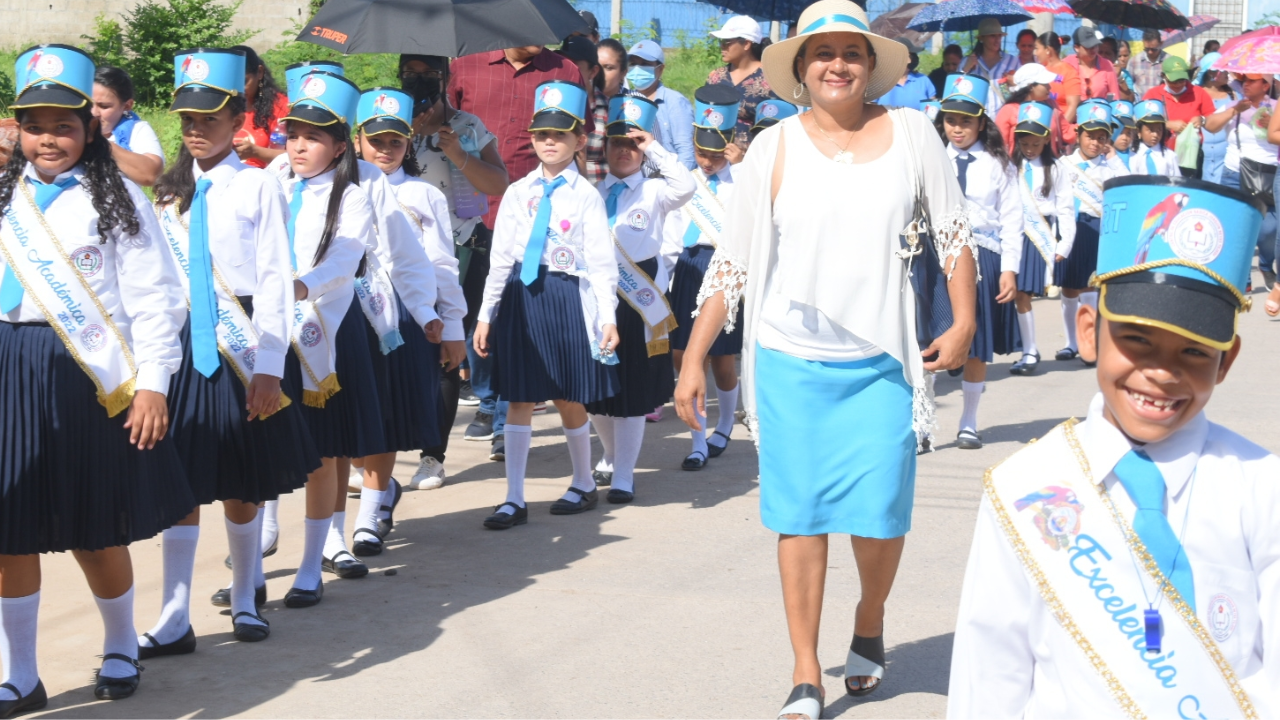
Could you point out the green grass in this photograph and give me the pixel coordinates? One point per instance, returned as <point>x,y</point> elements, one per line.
<point>686,70</point>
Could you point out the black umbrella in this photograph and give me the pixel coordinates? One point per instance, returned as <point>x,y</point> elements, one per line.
<point>1147,14</point>
<point>451,28</point>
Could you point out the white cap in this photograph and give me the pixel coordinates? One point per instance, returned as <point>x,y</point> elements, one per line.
<point>1032,74</point>
<point>739,26</point>
<point>648,50</point>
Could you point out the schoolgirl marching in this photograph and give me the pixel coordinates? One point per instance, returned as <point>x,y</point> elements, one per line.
<point>1152,156</point>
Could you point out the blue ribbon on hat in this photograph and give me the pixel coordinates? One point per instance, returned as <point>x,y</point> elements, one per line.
<point>831,20</point>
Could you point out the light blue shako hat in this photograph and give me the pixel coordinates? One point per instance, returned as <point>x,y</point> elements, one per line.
<point>965,94</point>
<point>931,108</point>
<point>1034,118</point>
<point>1174,253</point>
<point>294,73</point>
<point>1151,111</point>
<point>52,76</point>
<point>771,112</point>
<point>630,111</point>
<point>324,99</point>
<point>715,115</point>
<point>558,105</point>
<point>205,78</point>
<point>1094,115</point>
<point>1122,113</point>
<point>383,110</point>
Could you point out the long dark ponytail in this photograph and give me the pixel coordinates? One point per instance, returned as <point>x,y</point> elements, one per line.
<point>179,181</point>
<point>1047,159</point>
<point>103,181</point>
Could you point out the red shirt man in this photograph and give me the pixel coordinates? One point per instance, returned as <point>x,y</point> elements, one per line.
<point>498,87</point>
<point>1185,103</point>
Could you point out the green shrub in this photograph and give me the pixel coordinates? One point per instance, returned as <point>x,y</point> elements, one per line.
<point>106,44</point>
<point>6,92</point>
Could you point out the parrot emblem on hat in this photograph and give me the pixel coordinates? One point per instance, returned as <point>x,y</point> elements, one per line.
<point>186,66</point>
<point>1157,222</point>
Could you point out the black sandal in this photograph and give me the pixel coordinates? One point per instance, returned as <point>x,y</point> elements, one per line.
<point>182,646</point>
<point>222,598</point>
<point>865,660</point>
<point>805,700</point>
<point>694,462</point>
<point>587,499</point>
<point>110,688</point>
<point>602,478</point>
<point>506,521</point>
<point>37,699</point>
<point>344,565</point>
<point>716,451</point>
<point>249,632</point>
<point>384,526</point>
<point>367,547</point>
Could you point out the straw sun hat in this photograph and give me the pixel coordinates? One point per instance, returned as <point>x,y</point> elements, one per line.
<point>827,16</point>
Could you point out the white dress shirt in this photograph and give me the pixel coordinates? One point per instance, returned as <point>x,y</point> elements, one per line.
<point>249,241</point>
<point>427,203</point>
<point>143,140</point>
<point>995,208</point>
<point>139,286</point>
<point>643,207</point>
<point>1012,659</point>
<point>577,216</point>
<point>1101,168</point>
<point>331,282</point>
<point>1059,203</point>
<point>677,223</point>
<point>1165,160</point>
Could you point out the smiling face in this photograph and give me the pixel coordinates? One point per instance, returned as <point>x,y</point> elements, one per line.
<point>836,68</point>
<point>961,130</point>
<point>53,139</point>
<point>1045,54</point>
<point>311,150</point>
<point>1153,381</point>
<point>208,135</point>
<point>386,150</point>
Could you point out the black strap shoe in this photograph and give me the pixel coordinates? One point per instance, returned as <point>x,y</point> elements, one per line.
<point>250,632</point>
<point>32,701</point>
<point>110,688</point>
<point>619,497</point>
<point>345,566</point>
<point>587,500</point>
<point>299,598</point>
<point>184,645</point>
<point>366,543</point>
<point>222,598</point>
<point>714,450</point>
<point>602,478</point>
<point>384,526</point>
<point>506,521</point>
<point>1066,353</point>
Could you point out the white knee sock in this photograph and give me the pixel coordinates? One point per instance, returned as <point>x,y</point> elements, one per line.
<point>629,434</point>
<point>259,579</point>
<point>308,577</point>
<point>579,442</point>
<point>118,634</point>
<point>700,439</point>
<point>370,501</point>
<point>519,438</point>
<point>604,431</point>
<point>179,553</point>
<point>245,542</point>
<point>728,401</point>
<point>18,643</point>
<point>1090,299</point>
<point>1069,307</point>
<point>270,522</point>
<point>1027,325</point>
<point>336,540</point>
<point>972,394</point>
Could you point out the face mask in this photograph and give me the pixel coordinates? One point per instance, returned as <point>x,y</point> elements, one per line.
<point>425,91</point>
<point>641,77</point>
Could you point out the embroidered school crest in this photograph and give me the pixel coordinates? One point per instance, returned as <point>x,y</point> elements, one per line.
<point>1223,616</point>
<point>387,104</point>
<point>88,260</point>
<point>1057,514</point>
<point>377,303</point>
<point>1196,235</point>
<point>310,334</point>
<point>47,66</point>
<point>645,297</point>
<point>250,357</point>
<point>94,338</point>
<point>562,258</point>
<point>314,87</point>
<point>195,68</point>
<point>638,219</point>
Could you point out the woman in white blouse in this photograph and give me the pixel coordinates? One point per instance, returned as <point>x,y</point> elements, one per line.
<point>834,384</point>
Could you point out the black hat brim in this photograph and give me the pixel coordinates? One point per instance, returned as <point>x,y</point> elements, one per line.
<point>1192,308</point>
<point>553,120</point>
<point>377,126</point>
<point>49,95</point>
<point>198,98</point>
<point>312,115</point>
<point>710,140</point>
<point>964,107</point>
<point>1032,128</point>
<point>1095,125</point>
<point>764,123</point>
<point>1125,122</point>
<point>618,128</point>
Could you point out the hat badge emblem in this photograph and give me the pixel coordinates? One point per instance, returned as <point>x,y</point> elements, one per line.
<point>713,117</point>
<point>47,65</point>
<point>631,111</point>
<point>314,87</point>
<point>1033,113</point>
<point>964,85</point>
<point>769,111</point>
<point>551,97</point>
<point>387,104</point>
<point>196,69</point>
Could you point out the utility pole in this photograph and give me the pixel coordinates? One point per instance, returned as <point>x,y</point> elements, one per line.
<point>615,18</point>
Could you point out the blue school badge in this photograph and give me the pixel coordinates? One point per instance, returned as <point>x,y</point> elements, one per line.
<point>965,94</point>
<point>1122,113</point>
<point>204,78</point>
<point>558,105</point>
<point>931,108</point>
<point>294,73</point>
<point>630,111</point>
<point>1094,115</point>
<point>385,109</point>
<point>1034,118</point>
<point>1152,111</point>
<point>53,76</point>
<point>1174,253</point>
<point>715,116</point>
<point>324,99</point>
<point>772,111</point>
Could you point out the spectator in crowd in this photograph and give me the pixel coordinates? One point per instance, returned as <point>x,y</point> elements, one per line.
<point>8,139</point>
<point>646,61</point>
<point>992,63</point>
<point>1097,74</point>
<point>741,45</point>
<point>913,89</point>
<point>952,55</point>
<point>1026,46</point>
<point>1145,67</point>
<point>1185,103</point>
<point>1064,92</point>
<point>1246,122</point>
<point>262,138</point>
<point>1210,47</point>
<point>594,33</point>
<point>612,57</point>
<point>586,56</point>
<point>1031,83</point>
<point>1214,144</point>
<point>1110,50</point>
<point>1123,77</point>
<point>134,144</point>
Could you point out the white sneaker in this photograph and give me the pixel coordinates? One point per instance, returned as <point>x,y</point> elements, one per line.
<point>430,475</point>
<point>355,483</point>
<point>540,408</point>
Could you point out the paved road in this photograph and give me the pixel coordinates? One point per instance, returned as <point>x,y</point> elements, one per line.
<point>669,607</point>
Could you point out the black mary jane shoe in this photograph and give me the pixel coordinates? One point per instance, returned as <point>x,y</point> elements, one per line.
<point>275,545</point>
<point>366,543</point>
<point>385,525</point>
<point>506,521</point>
<point>110,688</point>
<point>184,645</point>
<point>222,598</point>
<point>602,478</point>
<point>250,632</point>
<point>299,598</point>
<point>619,497</point>
<point>696,461</point>
<point>716,451</point>
<point>32,701</point>
<point>587,500</point>
<point>969,440</point>
<point>345,566</point>
<point>1026,365</point>
<point>1066,353</point>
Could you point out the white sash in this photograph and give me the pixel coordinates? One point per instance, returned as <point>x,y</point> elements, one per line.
<point>378,301</point>
<point>237,337</point>
<point>54,283</point>
<point>1036,228</point>
<point>1087,190</point>
<point>1076,550</point>
<point>642,294</point>
<point>705,210</point>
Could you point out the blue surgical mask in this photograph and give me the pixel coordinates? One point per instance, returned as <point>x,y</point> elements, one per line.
<point>641,77</point>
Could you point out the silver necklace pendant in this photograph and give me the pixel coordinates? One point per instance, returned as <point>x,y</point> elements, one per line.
<point>844,157</point>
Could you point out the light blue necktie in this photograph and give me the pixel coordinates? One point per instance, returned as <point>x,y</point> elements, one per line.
<point>1151,164</point>
<point>611,202</point>
<point>1145,485</point>
<point>1031,184</point>
<point>204,304</point>
<point>538,235</point>
<point>11,291</point>
<point>295,207</point>
<point>692,234</point>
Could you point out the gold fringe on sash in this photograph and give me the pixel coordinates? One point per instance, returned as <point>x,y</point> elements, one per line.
<point>119,399</point>
<point>661,343</point>
<point>317,398</point>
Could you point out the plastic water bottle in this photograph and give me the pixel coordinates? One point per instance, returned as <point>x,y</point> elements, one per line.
<point>278,135</point>
<point>467,201</point>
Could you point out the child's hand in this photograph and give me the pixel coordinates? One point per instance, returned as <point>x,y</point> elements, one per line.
<point>1059,258</point>
<point>300,291</point>
<point>1008,286</point>
<point>642,139</point>
<point>434,331</point>
<point>609,343</point>
<point>480,339</point>
<point>734,153</point>
<point>452,353</point>
<point>148,419</point>
<point>263,396</point>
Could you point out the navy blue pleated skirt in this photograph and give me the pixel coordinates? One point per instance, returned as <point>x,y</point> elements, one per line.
<point>69,479</point>
<point>997,332</point>
<point>226,457</point>
<point>408,381</point>
<point>1074,272</point>
<point>540,345</point>
<point>1032,271</point>
<point>686,282</point>
<point>645,382</point>
<point>350,423</point>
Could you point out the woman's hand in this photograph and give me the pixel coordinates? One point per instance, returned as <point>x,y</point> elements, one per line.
<point>148,419</point>
<point>434,331</point>
<point>480,339</point>
<point>609,341</point>
<point>299,290</point>
<point>452,353</point>
<point>262,399</point>
<point>244,146</point>
<point>447,141</point>
<point>691,392</point>
<point>952,348</point>
<point>1008,286</point>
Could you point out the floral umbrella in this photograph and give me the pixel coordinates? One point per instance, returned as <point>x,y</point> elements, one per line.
<point>1057,7</point>
<point>1253,52</point>
<point>1146,14</point>
<point>963,15</point>
<point>1199,24</point>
